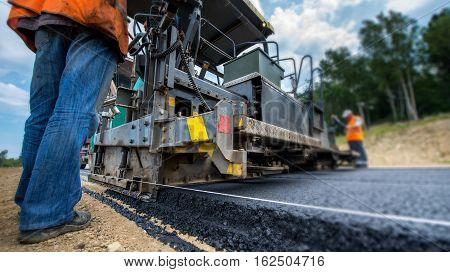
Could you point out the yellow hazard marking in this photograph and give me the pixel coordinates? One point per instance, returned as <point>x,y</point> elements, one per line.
<point>207,148</point>
<point>241,122</point>
<point>171,101</point>
<point>234,169</point>
<point>197,129</point>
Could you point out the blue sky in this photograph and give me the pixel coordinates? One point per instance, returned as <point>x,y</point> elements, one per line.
<point>301,26</point>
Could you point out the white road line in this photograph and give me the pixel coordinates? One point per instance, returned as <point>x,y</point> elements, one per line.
<point>328,209</point>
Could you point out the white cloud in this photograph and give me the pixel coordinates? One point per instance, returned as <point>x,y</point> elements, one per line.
<point>309,27</point>
<point>405,6</point>
<point>329,6</point>
<point>14,100</point>
<point>306,28</point>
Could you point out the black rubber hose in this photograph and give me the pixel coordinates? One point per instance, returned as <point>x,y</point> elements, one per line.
<point>168,51</point>
<point>191,79</point>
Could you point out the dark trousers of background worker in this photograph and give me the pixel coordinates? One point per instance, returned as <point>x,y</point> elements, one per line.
<point>358,146</point>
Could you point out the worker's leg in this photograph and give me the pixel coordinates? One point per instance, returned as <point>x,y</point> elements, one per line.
<point>358,146</point>
<point>48,68</point>
<point>55,187</point>
<point>363,157</point>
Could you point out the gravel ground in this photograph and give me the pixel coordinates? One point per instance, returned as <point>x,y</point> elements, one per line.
<point>109,229</point>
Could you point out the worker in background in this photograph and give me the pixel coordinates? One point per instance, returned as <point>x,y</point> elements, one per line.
<point>355,135</point>
<point>77,44</point>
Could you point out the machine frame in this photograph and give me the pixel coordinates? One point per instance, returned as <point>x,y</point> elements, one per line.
<point>183,128</point>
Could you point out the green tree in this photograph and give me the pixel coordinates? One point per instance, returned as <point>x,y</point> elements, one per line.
<point>397,69</point>
<point>348,82</point>
<point>434,83</point>
<point>5,162</point>
<point>391,43</point>
<point>3,155</point>
<point>437,39</point>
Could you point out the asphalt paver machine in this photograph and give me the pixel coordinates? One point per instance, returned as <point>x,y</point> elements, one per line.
<point>211,106</point>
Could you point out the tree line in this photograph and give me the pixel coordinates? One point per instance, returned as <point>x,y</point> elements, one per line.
<point>5,162</point>
<point>401,73</point>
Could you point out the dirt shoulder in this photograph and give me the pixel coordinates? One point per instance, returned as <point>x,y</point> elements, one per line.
<point>421,143</point>
<point>107,226</point>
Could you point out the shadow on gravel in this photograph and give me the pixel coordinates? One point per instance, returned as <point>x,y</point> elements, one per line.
<point>234,227</point>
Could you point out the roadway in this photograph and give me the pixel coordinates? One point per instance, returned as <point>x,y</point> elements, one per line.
<point>376,209</point>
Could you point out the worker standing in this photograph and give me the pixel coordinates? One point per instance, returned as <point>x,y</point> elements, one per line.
<point>77,44</point>
<point>355,136</point>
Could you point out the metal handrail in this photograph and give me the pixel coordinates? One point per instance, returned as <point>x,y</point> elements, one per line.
<point>301,68</point>
<point>292,74</point>
<point>295,67</point>
<point>321,85</point>
<point>217,49</point>
<point>223,34</point>
<point>145,15</point>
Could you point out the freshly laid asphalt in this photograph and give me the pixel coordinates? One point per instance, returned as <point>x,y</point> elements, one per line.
<point>422,193</point>
<point>343,210</point>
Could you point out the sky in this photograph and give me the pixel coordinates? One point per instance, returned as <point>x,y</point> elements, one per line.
<point>301,27</point>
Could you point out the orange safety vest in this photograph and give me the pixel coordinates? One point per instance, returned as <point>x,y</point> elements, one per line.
<point>354,133</point>
<point>107,16</point>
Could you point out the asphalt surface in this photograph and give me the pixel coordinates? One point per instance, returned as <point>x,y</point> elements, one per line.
<point>358,210</point>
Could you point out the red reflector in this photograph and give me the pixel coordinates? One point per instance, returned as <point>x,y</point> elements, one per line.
<point>224,124</point>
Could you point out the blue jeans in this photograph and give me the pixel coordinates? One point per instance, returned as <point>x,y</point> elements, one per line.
<point>72,70</point>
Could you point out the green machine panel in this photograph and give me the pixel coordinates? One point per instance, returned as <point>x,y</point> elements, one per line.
<point>255,61</point>
<point>119,119</point>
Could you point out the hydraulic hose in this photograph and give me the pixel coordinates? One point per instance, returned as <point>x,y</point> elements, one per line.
<point>184,60</point>
<point>168,51</point>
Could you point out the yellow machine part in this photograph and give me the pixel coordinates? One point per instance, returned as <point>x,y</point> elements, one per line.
<point>197,129</point>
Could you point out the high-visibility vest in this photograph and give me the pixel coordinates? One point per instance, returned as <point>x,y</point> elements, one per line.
<point>107,16</point>
<point>355,133</point>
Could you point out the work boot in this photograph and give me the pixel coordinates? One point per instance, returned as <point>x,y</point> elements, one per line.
<point>80,221</point>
